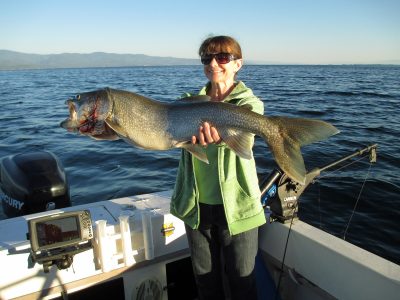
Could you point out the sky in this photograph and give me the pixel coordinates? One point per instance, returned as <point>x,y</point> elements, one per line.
<point>271,31</point>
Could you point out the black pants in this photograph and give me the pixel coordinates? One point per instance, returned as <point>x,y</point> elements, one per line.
<point>212,240</point>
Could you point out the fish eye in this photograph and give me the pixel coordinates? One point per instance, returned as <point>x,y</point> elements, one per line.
<point>78,97</point>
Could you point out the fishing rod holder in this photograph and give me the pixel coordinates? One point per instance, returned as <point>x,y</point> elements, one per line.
<point>280,194</point>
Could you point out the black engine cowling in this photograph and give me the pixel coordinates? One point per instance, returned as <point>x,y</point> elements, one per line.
<point>32,182</point>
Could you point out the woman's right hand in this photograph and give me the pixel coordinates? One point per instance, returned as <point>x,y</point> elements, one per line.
<point>207,135</point>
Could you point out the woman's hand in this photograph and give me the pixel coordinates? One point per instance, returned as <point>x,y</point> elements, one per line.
<point>207,135</point>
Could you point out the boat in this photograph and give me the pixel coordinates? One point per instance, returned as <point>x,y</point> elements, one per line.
<point>133,248</point>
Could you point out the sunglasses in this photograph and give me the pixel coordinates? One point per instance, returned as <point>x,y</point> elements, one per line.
<point>221,58</point>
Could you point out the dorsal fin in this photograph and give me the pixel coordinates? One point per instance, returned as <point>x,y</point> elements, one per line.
<point>247,106</point>
<point>194,99</point>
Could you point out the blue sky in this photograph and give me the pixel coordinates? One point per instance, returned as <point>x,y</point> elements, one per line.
<point>285,31</point>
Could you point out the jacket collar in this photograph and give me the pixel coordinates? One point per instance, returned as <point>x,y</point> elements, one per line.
<point>240,91</point>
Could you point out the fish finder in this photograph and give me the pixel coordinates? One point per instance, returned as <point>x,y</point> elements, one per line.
<point>56,238</point>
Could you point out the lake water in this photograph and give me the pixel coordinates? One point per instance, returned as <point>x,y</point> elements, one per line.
<point>361,101</point>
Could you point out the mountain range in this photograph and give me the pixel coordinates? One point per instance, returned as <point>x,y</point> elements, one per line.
<point>12,60</point>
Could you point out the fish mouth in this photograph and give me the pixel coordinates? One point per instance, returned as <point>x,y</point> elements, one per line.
<point>71,123</point>
<point>87,124</point>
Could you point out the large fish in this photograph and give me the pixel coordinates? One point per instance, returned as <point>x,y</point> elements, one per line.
<point>110,114</point>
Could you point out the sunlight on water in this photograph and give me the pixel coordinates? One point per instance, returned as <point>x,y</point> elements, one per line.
<point>362,101</point>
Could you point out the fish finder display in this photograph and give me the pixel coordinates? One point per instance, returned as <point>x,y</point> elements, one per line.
<point>56,231</point>
<point>56,238</point>
<point>63,230</point>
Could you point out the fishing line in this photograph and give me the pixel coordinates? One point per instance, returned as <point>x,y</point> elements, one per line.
<point>372,159</point>
<point>358,198</point>
<point>284,252</point>
<point>319,205</point>
<point>329,174</point>
<point>391,183</point>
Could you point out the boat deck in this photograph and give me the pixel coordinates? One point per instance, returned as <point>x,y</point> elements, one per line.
<point>317,265</point>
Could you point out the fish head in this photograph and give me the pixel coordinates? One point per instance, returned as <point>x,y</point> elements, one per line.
<point>88,112</point>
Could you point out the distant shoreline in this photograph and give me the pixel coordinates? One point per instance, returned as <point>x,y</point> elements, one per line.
<point>13,60</point>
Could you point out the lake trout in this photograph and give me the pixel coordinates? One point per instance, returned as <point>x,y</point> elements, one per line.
<point>110,114</point>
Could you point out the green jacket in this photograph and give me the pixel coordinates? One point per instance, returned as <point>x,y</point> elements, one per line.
<point>237,179</point>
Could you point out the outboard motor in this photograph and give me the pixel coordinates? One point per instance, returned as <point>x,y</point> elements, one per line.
<point>32,182</point>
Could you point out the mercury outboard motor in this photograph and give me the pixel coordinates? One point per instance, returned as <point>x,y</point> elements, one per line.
<point>32,182</point>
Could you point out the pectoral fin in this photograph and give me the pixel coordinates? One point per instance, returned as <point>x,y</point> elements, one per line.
<point>117,128</point>
<point>104,132</point>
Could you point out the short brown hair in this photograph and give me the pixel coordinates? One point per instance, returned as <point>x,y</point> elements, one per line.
<point>221,43</point>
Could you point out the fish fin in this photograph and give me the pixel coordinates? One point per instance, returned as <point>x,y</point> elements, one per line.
<point>117,128</point>
<point>194,99</point>
<point>108,136</point>
<point>196,150</point>
<point>247,106</point>
<point>239,141</point>
<point>305,131</point>
<point>288,156</point>
<point>295,132</point>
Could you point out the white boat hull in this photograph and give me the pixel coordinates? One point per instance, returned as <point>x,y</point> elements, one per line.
<point>317,264</point>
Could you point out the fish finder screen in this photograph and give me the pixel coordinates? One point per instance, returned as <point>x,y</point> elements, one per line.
<point>58,230</point>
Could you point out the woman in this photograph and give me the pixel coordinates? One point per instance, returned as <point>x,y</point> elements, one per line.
<point>220,201</point>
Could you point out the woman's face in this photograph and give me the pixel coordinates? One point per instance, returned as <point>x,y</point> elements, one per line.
<point>222,73</point>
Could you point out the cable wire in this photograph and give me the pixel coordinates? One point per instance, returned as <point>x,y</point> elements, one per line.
<point>358,198</point>
<point>284,252</point>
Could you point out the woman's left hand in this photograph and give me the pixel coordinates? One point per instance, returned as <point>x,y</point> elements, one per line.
<point>207,135</point>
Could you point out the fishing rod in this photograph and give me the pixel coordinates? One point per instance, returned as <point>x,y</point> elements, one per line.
<point>281,194</point>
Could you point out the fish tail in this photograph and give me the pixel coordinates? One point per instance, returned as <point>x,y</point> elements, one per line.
<point>286,138</point>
